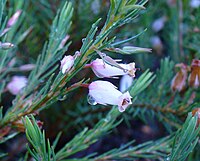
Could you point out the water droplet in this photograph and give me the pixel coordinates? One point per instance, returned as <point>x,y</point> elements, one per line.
<point>167,159</point>
<point>62,98</point>
<point>91,100</point>
<point>83,40</point>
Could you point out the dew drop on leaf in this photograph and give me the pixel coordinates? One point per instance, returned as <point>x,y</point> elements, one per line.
<point>91,100</point>
<point>62,98</point>
<point>83,40</point>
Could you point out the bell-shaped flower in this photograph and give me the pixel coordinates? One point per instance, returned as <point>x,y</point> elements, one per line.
<point>66,63</point>
<point>102,69</point>
<point>179,81</point>
<point>16,84</point>
<point>195,3</point>
<point>104,92</point>
<point>159,23</point>
<point>194,78</point>
<point>125,82</point>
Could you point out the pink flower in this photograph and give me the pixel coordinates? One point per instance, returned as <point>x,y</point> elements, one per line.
<point>63,42</point>
<point>66,63</point>
<point>104,93</point>
<point>14,19</point>
<point>102,69</point>
<point>16,84</point>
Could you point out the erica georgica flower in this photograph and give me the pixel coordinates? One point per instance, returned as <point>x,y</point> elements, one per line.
<point>66,63</point>
<point>16,84</point>
<point>194,78</point>
<point>102,69</point>
<point>125,82</point>
<point>179,81</point>
<point>104,92</point>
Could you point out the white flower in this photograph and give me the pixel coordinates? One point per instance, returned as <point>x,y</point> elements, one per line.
<point>104,93</point>
<point>195,3</point>
<point>16,84</point>
<point>66,63</point>
<point>102,69</point>
<point>159,24</point>
<point>95,7</point>
<point>125,82</point>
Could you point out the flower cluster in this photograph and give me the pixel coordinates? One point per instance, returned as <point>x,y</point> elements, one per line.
<point>179,81</point>
<point>104,92</point>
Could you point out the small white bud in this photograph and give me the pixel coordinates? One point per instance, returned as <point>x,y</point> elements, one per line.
<point>66,63</point>
<point>159,24</point>
<point>6,45</point>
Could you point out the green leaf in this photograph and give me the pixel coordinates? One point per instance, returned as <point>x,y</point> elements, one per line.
<point>185,140</point>
<point>142,83</point>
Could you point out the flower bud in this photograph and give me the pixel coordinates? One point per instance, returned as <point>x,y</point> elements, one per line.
<point>16,84</point>
<point>102,69</point>
<point>194,78</point>
<point>63,42</point>
<point>6,45</point>
<point>4,31</point>
<point>27,67</point>
<point>134,49</point>
<point>104,93</point>
<point>66,63</point>
<point>14,19</point>
<point>159,24</point>
<point>179,81</point>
